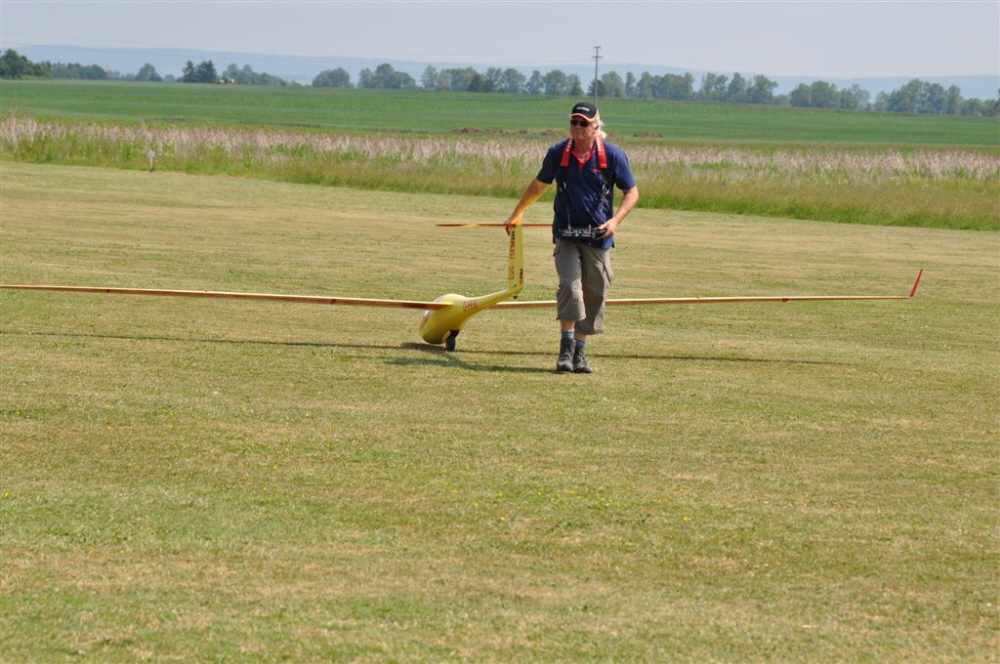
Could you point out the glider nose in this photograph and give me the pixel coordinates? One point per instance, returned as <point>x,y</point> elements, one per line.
<point>436,324</point>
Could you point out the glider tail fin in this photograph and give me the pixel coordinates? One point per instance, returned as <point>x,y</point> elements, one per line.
<point>913,291</point>
<point>515,261</point>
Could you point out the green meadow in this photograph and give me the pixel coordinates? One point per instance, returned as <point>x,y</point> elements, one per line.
<point>423,112</point>
<point>847,167</point>
<point>237,481</point>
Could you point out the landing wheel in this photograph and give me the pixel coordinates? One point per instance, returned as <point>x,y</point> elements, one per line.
<point>449,343</point>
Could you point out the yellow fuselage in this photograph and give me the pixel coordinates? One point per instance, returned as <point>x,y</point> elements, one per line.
<point>437,325</point>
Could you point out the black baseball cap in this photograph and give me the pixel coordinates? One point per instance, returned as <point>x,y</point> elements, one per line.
<point>585,110</point>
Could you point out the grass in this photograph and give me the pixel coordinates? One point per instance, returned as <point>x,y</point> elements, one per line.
<point>249,481</point>
<point>848,167</point>
<point>928,187</point>
<point>423,112</point>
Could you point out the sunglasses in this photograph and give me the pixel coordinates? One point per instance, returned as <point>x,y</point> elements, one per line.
<point>579,123</point>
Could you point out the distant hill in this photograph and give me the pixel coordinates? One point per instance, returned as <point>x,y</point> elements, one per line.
<point>304,68</point>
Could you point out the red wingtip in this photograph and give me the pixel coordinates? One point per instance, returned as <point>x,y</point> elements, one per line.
<point>913,291</point>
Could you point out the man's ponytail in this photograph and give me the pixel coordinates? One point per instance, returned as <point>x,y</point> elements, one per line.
<point>600,129</point>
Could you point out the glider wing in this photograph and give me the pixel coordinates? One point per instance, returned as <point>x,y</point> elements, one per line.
<point>311,299</point>
<point>717,300</point>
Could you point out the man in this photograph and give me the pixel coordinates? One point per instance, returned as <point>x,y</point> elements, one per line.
<point>586,169</point>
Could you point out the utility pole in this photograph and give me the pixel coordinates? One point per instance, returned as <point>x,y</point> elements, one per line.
<point>597,57</point>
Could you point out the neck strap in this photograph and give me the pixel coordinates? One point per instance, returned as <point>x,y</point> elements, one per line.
<point>602,157</point>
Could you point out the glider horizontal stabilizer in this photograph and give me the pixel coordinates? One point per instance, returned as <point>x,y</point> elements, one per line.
<point>490,225</point>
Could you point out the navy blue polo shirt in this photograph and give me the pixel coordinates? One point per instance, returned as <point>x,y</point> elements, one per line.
<point>579,198</point>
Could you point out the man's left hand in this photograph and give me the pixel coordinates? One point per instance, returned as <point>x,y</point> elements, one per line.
<point>608,228</point>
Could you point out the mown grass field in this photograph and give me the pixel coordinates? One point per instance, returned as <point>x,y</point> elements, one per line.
<point>211,480</point>
<point>423,112</point>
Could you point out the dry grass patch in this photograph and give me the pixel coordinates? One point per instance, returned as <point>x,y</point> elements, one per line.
<point>929,187</point>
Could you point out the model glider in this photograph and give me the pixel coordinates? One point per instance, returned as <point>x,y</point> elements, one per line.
<point>445,316</point>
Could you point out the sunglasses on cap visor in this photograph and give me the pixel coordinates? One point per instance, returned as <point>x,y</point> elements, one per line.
<point>579,123</point>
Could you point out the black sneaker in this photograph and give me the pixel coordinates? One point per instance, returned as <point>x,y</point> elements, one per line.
<point>580,360</point>
<point>565,362</point>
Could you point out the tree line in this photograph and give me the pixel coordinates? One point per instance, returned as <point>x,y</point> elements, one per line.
<point>15,65</point>
<point>922,97</point>
<point>914,97</point>
<point>233,74</point>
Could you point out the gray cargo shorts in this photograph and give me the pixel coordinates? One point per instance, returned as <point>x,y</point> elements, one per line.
<point>584,276</point>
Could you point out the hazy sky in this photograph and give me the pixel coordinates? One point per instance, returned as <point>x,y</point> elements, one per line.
<point>846,38</point>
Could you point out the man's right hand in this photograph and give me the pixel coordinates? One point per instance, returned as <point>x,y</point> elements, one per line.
<point>513,220</point>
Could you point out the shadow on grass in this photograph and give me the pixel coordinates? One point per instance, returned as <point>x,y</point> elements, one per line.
<point>636,356</point>
<point>440,357</point>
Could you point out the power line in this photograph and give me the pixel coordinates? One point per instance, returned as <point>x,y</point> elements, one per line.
<point>597,57</point>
